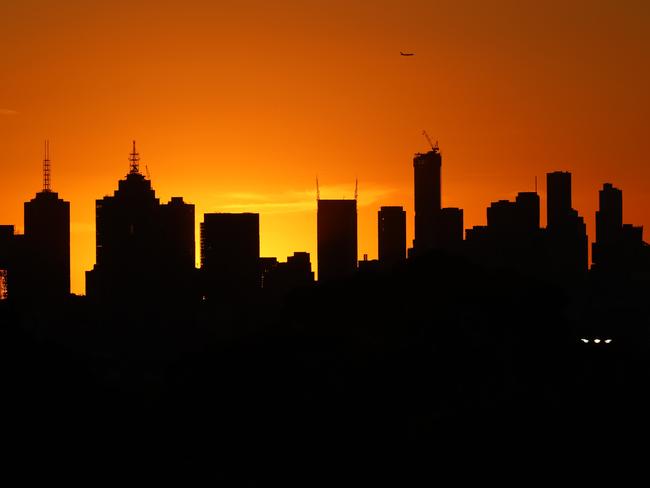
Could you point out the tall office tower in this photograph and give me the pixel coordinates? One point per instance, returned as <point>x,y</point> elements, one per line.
<point>337,238</point>
<point>566,232</point>
<point>426,169</point>
<point>558,198</point>
<point>178,233</point>
<point>609,216</point>
<point>47,241</point>
<point>230,255</point>
<point>391,235</point>
<point>618,246</point>
<point>143,249</point>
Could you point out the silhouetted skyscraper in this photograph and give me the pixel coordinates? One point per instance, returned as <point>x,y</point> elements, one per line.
<point>178,233</point>
<point>609,216</point>
<point>512,238</point>
<point>143,248</point>
<point>47,241</point>
<point>426,168</point>
<point>391,223</point>
<point>337,238</point>
<point>618,246</point>
<point>558,198</point>
<point>566,232</point>
<point>230,254</point>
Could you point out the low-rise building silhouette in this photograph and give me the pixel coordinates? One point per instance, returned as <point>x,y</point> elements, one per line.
<point>281,278</point>
<point>9,245</point>
<point>230,255</point>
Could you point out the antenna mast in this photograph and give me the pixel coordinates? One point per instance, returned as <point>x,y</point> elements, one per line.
<point>356,188</point>
<point>317,190</point>
<point>134,159</point>
<point>46,168</point>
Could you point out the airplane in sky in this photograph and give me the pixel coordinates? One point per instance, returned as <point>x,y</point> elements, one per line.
<point>406,54</point>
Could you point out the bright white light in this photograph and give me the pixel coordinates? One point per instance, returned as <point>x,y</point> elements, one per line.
<point>585,340</point>
<point>597,341</point>
<point>607,341</point>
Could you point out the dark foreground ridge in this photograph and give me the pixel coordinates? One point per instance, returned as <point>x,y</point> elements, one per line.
<point>392,359</point>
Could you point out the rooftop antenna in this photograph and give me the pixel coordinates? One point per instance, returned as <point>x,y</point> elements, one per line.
<point>535,183</point>
<point>356,188</point>
<point>317,190</point>
<point>147,170</point>
<point>434,147</point>
<point>134,159</point>
<point>46,168</point>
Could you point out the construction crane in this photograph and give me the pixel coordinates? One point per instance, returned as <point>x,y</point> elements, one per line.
<point>434,147</point>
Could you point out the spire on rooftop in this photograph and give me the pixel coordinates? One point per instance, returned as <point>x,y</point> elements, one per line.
<point>134,159</point>
<point>46,168</point>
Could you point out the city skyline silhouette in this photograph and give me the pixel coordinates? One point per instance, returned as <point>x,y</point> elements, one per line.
<point>313,230</point>
<point>252,126</point>
<point>411,223</point>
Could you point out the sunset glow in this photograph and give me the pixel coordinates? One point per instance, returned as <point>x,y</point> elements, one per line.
<point>241,106</point>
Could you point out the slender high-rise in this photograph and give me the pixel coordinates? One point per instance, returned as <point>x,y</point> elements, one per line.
<point>47,241</point>
<point>558,198</point>
<point>566,232</point>
<point>391,223</point>
<point>426,168</point>
<point>609,216</point>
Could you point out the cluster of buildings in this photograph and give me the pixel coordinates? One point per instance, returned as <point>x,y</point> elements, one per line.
<point>145,249</point>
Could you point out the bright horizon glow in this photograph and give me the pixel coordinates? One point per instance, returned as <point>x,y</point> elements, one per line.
<point>240,106</point>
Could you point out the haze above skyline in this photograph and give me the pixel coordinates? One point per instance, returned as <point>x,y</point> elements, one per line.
<point>240,107</point>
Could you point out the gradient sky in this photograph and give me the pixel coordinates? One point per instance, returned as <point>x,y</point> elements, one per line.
<point>238,106</point>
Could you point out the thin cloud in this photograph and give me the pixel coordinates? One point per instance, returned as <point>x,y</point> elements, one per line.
<point>299,201</point>
<point>7,111</point>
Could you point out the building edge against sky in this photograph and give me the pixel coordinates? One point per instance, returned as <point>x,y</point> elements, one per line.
<point>143,235</point>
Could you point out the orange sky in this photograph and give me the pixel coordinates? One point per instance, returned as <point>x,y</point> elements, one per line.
<point>239,105</point>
